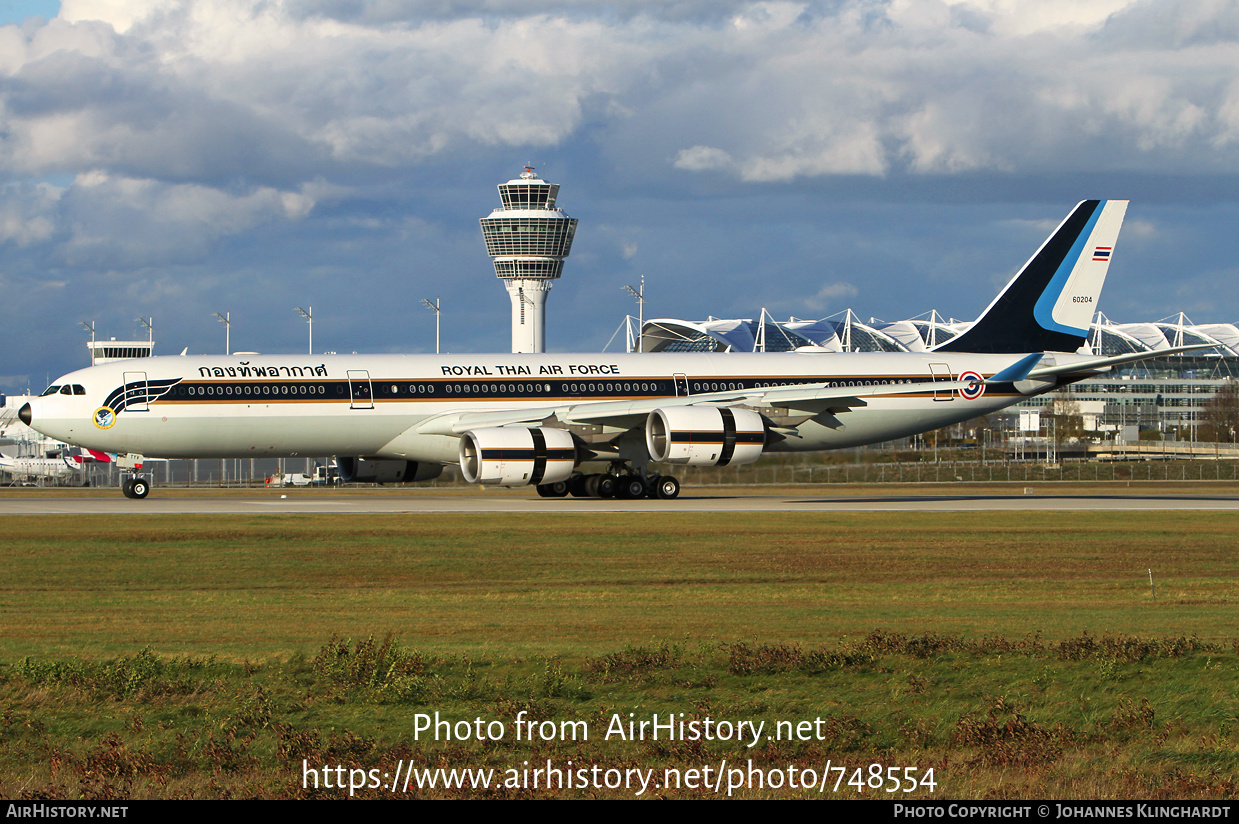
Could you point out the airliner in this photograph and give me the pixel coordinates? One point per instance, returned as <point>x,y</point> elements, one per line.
<point>520,419</point>
<point>28,469</point>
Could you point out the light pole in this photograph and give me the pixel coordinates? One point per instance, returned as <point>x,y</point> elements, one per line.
<point>90,327</point>
<point>639,294</point>
<point>226,320</point>
<point>147,322</point>
<point>308,314</point>
<point>435,308</point>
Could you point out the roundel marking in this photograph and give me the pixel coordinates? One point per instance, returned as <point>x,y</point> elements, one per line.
<point>104,417</point>
<point>974,389</point>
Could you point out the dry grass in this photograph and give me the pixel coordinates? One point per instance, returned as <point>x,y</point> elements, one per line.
<point>992,718</point>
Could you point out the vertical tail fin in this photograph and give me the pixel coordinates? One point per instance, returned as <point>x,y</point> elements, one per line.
<point>1049,304</point>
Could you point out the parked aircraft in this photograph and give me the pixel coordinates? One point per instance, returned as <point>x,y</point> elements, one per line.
<point>513,420</point>
<point>32,470</point>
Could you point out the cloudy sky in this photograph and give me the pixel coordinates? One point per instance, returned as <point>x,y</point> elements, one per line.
<point>171,159</point>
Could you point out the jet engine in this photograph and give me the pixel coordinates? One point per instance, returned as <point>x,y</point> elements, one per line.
<point>374,471</point>
<point>705,435</point>
<point>516,456</point>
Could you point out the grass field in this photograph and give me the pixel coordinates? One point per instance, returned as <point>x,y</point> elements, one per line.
<point>1017,654</point>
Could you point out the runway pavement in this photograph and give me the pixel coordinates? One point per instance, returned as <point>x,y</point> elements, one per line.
<point>415,502</point>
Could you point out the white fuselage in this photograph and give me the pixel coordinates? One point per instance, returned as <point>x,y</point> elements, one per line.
<point>386,405</point>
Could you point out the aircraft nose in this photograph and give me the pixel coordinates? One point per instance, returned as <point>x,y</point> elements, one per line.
<point>24,415</point>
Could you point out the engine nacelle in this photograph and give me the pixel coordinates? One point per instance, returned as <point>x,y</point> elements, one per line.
<point>516,456</point>
<point>375,471</point>
<point>705,435</point>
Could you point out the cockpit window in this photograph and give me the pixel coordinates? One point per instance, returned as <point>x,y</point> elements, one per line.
<point>51,390</point>
<point>78,389</point>
<point>66,389</point>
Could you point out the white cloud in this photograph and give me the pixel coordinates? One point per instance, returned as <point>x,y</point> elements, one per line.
<point>120,14</point>
<point>120,221</point>
<point>812,151</point>
<point>703,158</point>
<point>1228,118</point>
<point>1139,229</point>
<point>27,213</point>
<point>1017,18</point>
<point>213,90</point>
<point>829,295</point>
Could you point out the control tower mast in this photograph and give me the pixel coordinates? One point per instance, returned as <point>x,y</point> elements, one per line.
<point>528,238</point>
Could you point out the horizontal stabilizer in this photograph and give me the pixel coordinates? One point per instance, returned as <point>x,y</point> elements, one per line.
<point>1102,364</point>
<point>1018,370</point>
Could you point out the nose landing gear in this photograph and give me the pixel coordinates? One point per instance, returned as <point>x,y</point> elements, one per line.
<point>135,486</point>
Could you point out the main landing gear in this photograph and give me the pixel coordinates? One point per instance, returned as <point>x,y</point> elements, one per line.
<point>628,486</point>
<point>136,487</point>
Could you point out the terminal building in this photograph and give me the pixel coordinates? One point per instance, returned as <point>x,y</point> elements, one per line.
<point>1167,394</point>
<point>106,351</point>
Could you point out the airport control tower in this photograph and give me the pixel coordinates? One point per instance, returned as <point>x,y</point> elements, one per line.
<point>529,239</point>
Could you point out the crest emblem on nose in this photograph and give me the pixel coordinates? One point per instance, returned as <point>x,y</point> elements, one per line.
<point>104,417</point>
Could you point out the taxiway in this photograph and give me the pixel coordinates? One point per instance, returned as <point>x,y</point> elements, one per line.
<point>418,503</point>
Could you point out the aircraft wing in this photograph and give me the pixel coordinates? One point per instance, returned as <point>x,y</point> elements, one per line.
<point>1104,364</point>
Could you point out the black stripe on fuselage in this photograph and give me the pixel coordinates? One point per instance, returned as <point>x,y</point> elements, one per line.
<point>380,390</point>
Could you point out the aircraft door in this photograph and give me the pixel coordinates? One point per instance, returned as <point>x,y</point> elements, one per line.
<point>361,392</point>
<point>136,393</point>
<point>681,384</point>
<point>941,373</point>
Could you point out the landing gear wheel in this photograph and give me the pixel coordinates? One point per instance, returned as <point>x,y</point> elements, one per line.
<point>631,488</point>
<point>556,490</point>
<point>667,487</point>
<point>135,487</point>
<point>578,486</point>
<point>599,486</point>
